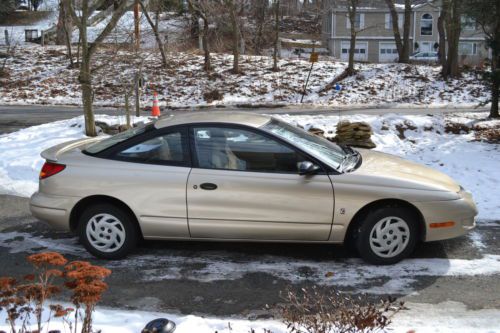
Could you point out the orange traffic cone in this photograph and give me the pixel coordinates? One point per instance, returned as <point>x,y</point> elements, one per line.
<point>155,111</point>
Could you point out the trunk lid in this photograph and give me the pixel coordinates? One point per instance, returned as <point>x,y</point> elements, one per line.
<point>53,153</point>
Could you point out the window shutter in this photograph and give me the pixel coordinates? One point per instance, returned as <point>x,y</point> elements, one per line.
<point>387,21</point>
<point>361,21</point>
<point>347,22</point>
<point>401,19</point>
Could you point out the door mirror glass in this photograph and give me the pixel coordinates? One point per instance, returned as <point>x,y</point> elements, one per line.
<point>307,168</point>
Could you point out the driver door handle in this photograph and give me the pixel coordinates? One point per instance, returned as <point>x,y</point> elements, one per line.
<point>208,186</point>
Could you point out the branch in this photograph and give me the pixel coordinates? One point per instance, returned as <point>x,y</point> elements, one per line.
<point>117,14</point>
<point>74,17</point>
<point>97,4</point>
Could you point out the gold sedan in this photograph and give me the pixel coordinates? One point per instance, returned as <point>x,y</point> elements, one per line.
<point>232,176</point>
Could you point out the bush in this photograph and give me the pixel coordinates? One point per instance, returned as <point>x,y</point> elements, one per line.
<point>24,299</point>
<point>315,311</point>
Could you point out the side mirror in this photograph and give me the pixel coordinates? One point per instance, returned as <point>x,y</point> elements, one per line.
<point>307,168</point>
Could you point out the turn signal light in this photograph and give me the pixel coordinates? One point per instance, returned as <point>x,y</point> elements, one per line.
<point>442,224</point>
<point>50,169</point>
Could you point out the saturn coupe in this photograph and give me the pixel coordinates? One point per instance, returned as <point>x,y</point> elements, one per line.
<point>231,176</point>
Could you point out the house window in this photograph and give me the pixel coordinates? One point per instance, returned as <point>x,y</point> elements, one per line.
<point>468,23</point>
<point>388,21</point>
<point>467,48</point>
<point>426,25</point>
<point>30,35</point>
<point>359,21</point>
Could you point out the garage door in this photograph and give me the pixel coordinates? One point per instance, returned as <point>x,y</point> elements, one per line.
<point>388,52</point>
<point>360,52</point>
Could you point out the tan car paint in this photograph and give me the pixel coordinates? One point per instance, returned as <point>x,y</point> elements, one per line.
<point>249,206</point>
<point>255,205</point>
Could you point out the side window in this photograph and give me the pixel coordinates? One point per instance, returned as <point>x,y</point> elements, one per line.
<point>169,148</point>
<point>243,150</point>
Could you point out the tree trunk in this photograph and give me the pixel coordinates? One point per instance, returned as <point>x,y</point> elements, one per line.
<point>495,75</point>
<point>495,69</point>
<point>276,35</point>
<point>207,66</point>
<point>62,24</point>
<point>405,57</point>
<point>260,18</point>
<point>395,27</point>
<point>452,21</point>
<point>85,79</point>
<point>236,36</point>
<point>442,38</point>
<point>352,9</point>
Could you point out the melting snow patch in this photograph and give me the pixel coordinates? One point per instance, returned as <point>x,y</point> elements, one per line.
<point>447,317</point>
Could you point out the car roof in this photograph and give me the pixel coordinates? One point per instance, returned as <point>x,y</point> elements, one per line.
<point>225,117</point>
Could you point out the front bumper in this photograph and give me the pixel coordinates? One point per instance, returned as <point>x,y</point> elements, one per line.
<point>53,209</point>
<point>462,212</point>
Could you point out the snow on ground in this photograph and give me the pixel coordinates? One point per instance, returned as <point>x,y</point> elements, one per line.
<point>423,138</point>
<point>428,140</point>
<point>41,76</point>
<point>446,317</point>
<point>20,151</point>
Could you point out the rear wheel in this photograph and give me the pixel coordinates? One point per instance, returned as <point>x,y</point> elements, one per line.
<point>387,235</point>
<point>107,231</point>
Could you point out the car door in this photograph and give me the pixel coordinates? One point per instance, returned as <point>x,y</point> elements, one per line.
<point>150,175</point>
<point>245,185</point>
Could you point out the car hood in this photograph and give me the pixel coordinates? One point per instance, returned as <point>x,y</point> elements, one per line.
<point>391,171</point>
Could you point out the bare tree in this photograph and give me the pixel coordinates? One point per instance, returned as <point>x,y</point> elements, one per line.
<point>442,33</point>
<point>235,30</point>
<point>200,10</point>
<point>154,27</point>
<point>64,30</point>
<point>276,34</point>
<point>88,49</point>
<point>402,45</point>
<point>352,8</point>
<point>260,10</point>
<point>486,13</point>
<point>453,27</point>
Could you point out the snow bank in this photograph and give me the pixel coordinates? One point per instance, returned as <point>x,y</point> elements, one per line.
<point>20,160</point>
<point>446,317</point>
<point>472,163</point>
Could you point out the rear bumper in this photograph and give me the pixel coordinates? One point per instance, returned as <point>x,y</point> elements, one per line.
<point>462,212</point>
<point>53,209</point>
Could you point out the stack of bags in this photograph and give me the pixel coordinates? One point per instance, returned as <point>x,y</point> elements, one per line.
<point>356,134</point>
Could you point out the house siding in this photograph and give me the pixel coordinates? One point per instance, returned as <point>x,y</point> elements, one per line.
<point>375,32</point>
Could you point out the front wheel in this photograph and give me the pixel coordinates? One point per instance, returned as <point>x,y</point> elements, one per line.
<point>387,235</point>
<point>107,231</point>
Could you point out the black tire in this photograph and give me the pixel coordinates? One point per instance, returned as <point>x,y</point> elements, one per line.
<point>364,233</point>
<point>126,226</point>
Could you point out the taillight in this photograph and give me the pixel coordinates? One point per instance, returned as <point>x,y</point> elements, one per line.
<point>50,169</point>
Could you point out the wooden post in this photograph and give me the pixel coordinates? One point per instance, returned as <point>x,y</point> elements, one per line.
<point>127,110</point>
<point>43,38</point>
<point>137,96</point>
<point>7,41</point>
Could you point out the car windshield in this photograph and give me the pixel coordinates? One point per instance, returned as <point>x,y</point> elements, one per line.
<point>341,158</point>
<point>104,144</point>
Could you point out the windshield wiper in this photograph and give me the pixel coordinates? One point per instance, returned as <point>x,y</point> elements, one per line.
<point>350,154</point>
